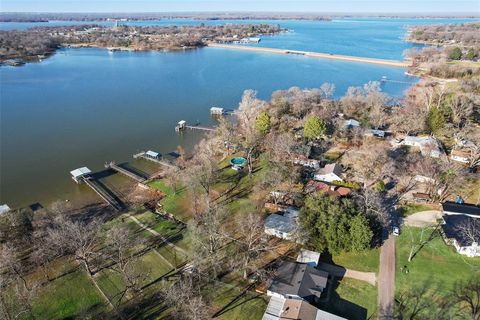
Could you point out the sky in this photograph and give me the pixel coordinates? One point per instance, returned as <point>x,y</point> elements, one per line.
<point>328,6</point>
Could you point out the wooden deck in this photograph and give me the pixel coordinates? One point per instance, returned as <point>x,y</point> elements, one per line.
<point>112,165</point>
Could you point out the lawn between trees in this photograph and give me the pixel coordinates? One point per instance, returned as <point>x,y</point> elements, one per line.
<point>433,272</point>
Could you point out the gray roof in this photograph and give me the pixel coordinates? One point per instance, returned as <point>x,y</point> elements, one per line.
<point>453,229</point>
<point>280,223</point>
<point>331,168</point>
<point>299,279</point>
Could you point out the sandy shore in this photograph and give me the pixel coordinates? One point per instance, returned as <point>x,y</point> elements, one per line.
<point>392,63</point>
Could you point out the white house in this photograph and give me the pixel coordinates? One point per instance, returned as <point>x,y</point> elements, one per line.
<point>460,156</point>
<point>283,224</point>
<point>463,233</point>
<point>329,173</point>
<point>428,146</point>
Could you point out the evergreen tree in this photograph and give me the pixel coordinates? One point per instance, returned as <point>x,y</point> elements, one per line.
<point>262,123</point>
<point>456,54</point>
<point>436,120</point>
<point>314,128</point>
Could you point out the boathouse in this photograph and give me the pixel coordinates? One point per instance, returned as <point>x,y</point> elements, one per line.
<point>79,174</point>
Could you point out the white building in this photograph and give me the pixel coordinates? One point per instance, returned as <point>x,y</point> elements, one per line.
<point>216,110</point>
<point>4,209</point>
<point>282,226</point>
<point>428,146</point>
<point>460,156</point>
<point>309,257</point>
<point>329,173</point>
<point>351,123</point>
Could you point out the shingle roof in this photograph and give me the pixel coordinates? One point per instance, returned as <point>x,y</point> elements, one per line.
<point>453,228</point>
<point>299,279</point>
<point>457,208</point>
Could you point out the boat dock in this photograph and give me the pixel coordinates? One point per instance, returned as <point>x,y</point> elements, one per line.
<point>105,194</point>
<point>84,175</point>
<point>112,165</point>
<point>153,156</point>
<point>182,125</point>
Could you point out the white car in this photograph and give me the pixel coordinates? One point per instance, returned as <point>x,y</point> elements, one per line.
<point>396,231</point>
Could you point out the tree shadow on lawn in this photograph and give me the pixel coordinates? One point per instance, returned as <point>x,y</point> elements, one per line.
<point>333,303</point>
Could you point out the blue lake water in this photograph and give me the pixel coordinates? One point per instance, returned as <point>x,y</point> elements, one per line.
<point>83,107</point>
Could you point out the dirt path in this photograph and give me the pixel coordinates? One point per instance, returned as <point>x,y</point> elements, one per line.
<point>337,271</point>
<point>423,218</point>
<point>386,279</point>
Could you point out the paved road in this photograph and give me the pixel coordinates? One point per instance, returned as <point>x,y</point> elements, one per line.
<point>423,218</point>
<point>386,279</point>
<point>341,272</point>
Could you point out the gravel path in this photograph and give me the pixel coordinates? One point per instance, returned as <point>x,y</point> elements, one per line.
<point>337,271</point>
<point>423,218</point>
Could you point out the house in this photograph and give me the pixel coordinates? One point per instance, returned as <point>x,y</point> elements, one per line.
<point>309,257</point>
<point>463,232</point>
<point>460,156</point>
<point>453,208</point>
<point>421,197</point>
<point>351,123</point>
<point>292,309</point>
<point>375,133</point>
<point>283,224</point>
<point>428,146</point>
<point>329,173</point>
<point>4,209</point>
<point>309,163</point>
<point>79,174</point>
<point>333,190</point>
<point>300,281</point>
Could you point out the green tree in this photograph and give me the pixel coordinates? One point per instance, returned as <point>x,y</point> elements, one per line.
<point>435,120</point>
<point>360,233</point>
<point>456,54</point>
<point>334,224</point>
<point>314,128</point>
<point>380,186</point>
<point>262,123</point>
<point>471,54</point>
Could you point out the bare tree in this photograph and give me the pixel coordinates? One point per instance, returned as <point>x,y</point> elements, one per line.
<point>122,255</point>
<point>252,240</point>
<point>186,300</point>
<point>76,238</point>
<point>467,295</point>
<point>470,229</point>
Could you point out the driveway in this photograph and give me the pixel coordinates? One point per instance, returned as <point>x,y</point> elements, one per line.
<point>423,219</point>
<point>341,272</point>
<point>386,279</point>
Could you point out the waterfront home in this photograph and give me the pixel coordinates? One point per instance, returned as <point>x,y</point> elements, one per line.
<point>300,281</point>
<point>428,146</point>
<point>279,308</point>
<point>460,156</point>
<point>463,232</point>
<point>329,173</point>
<point>79,174</point>
<point>283,224</point>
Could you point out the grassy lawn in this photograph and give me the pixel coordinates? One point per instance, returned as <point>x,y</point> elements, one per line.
<point>437,264</point>
<point>174,203</point>
<point>68,296</point>
<point>165,227</point>
<point>364,261</point>
<point>353,299</point>
<point>411,208</point>
<point>246,307</point>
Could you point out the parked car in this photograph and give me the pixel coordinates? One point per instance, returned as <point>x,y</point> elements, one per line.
<point>396,231</point>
